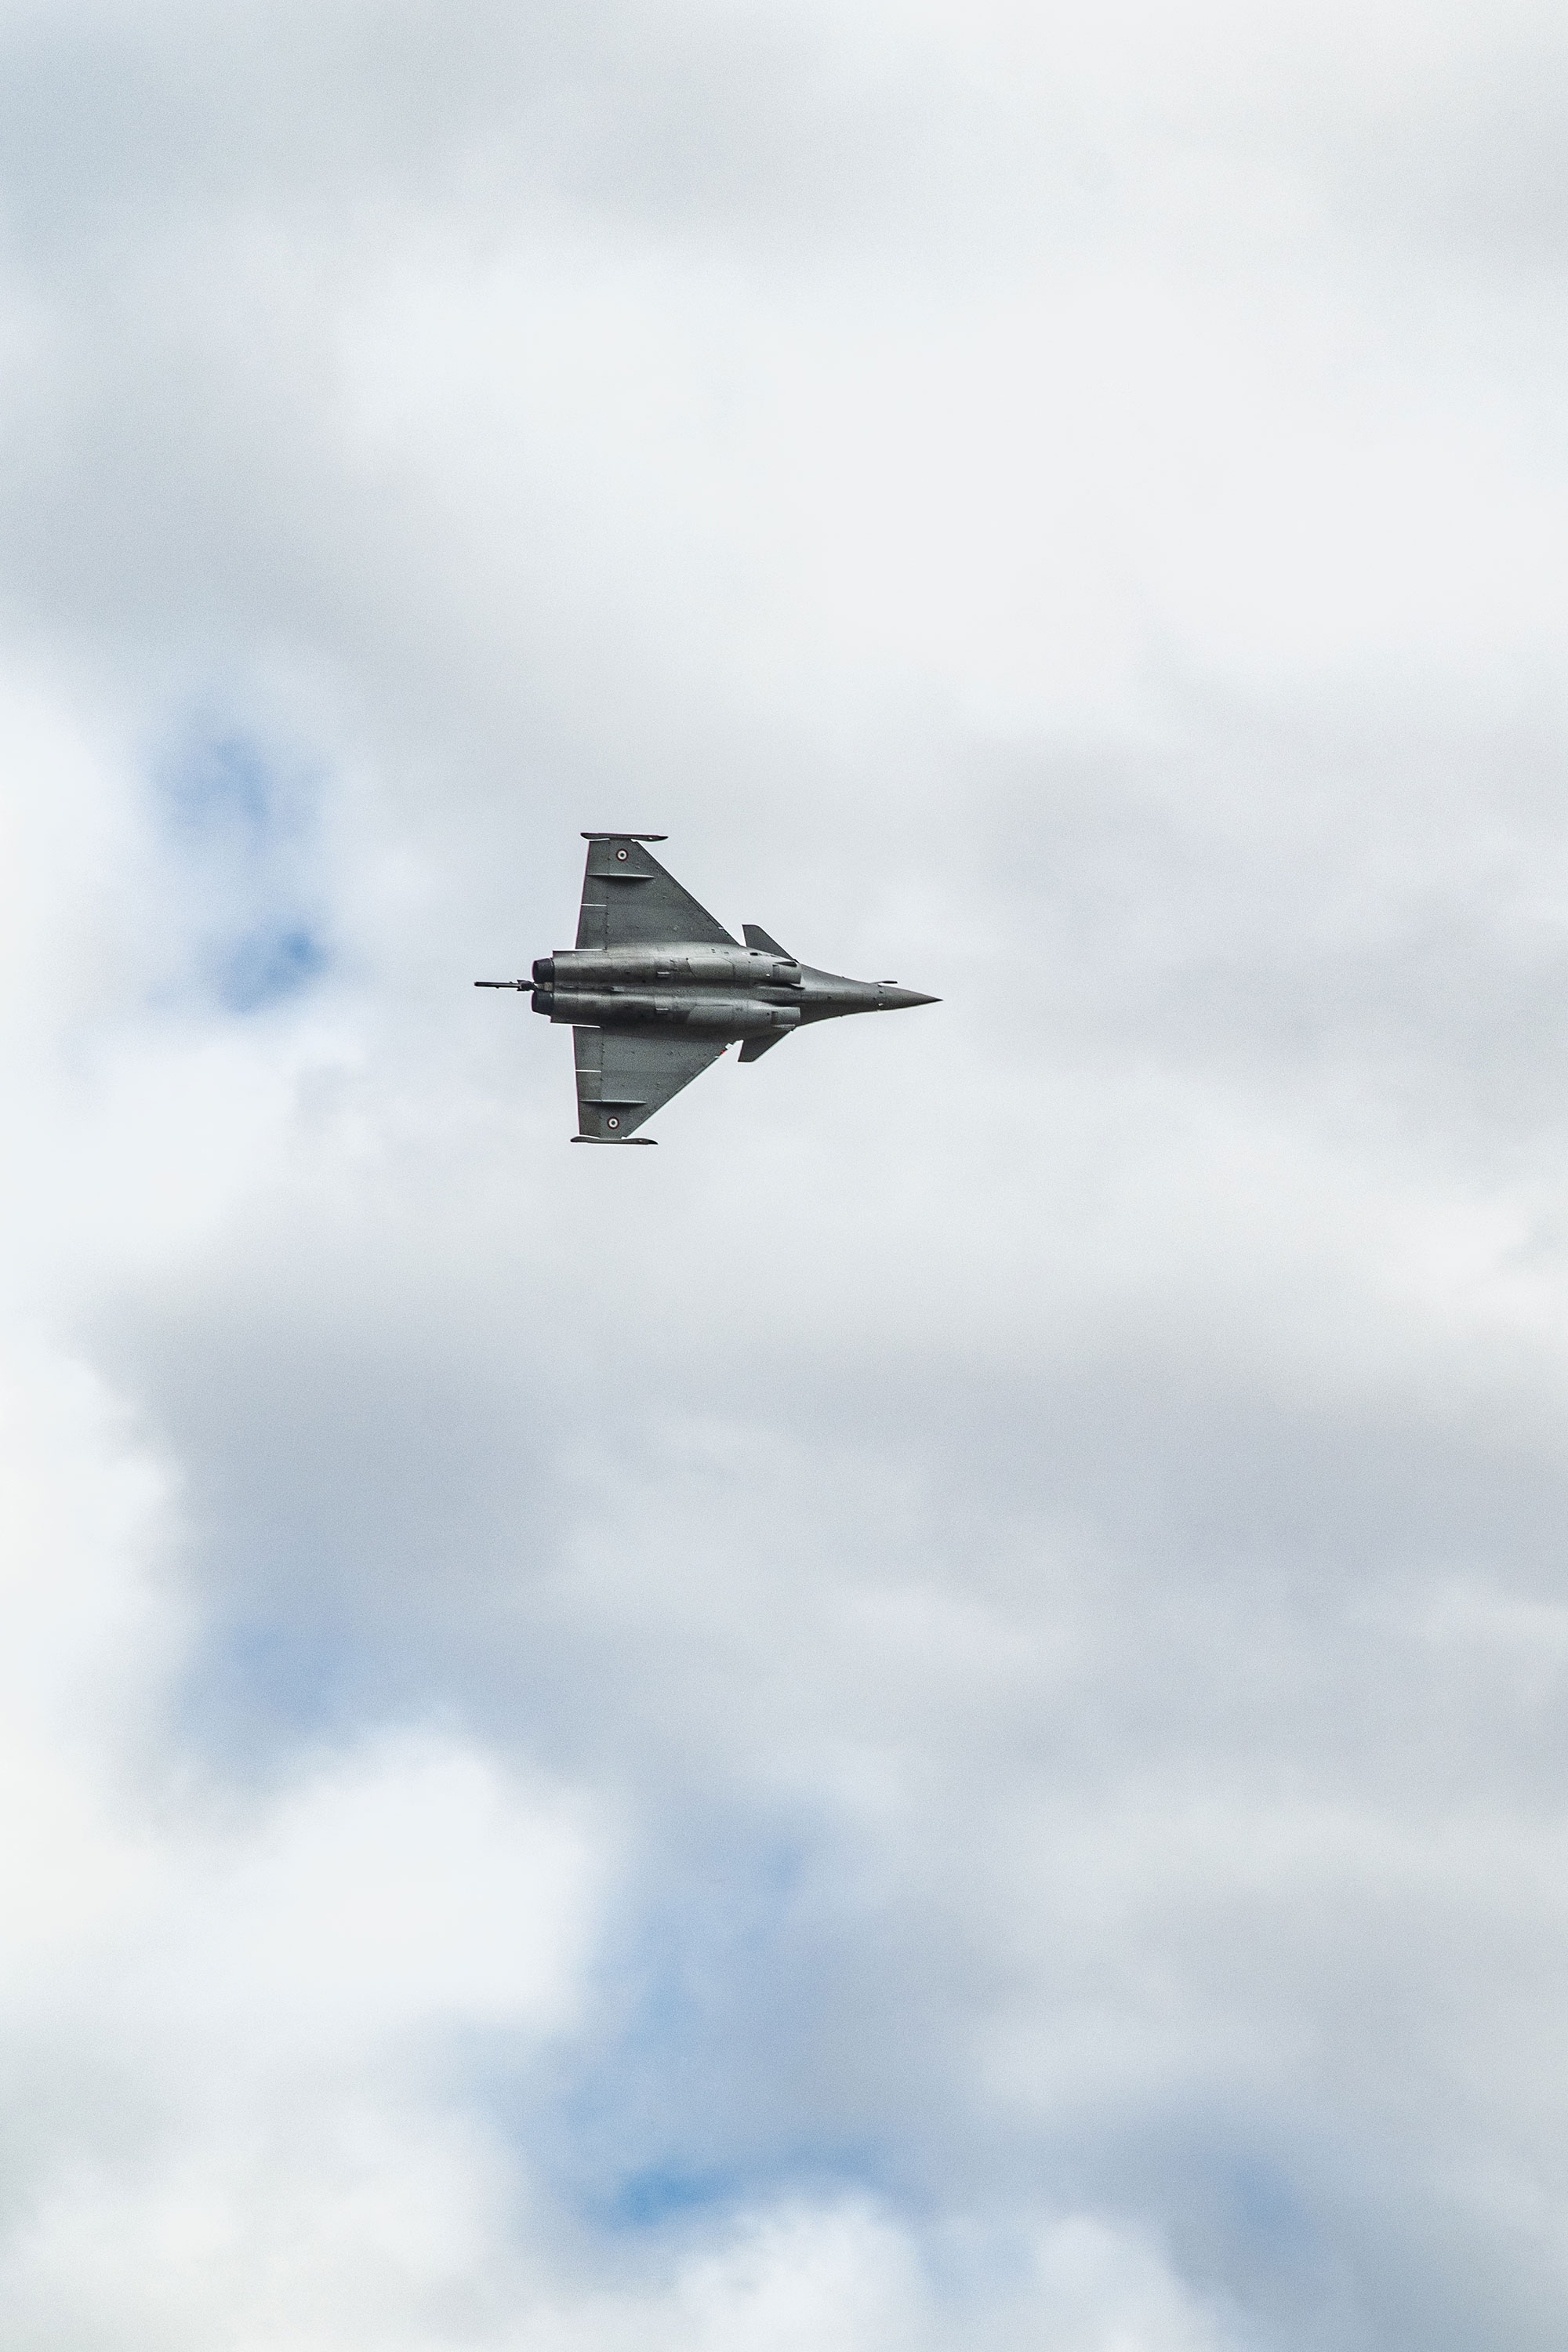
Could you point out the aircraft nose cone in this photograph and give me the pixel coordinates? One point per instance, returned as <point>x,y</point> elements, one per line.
<point>893,1000</point>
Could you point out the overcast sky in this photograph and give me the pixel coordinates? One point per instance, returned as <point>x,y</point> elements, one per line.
<point>932,1719</point>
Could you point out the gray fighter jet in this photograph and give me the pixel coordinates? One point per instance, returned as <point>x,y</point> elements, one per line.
<point>654,989</point>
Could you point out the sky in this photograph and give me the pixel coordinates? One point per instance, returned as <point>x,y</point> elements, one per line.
<point>933,1716</point>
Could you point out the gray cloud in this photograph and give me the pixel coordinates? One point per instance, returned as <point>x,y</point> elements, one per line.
<point>934,1713</point>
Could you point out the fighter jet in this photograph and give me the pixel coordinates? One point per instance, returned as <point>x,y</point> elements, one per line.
<point>654,989</point>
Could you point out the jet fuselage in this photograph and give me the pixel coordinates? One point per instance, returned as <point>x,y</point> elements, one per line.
<point>740,992</point>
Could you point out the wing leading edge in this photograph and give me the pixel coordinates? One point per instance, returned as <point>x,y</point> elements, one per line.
<point>624,1075</point>
<point>629,900</point>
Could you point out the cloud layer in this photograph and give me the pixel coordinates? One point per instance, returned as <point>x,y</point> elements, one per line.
<point>932,1716</point>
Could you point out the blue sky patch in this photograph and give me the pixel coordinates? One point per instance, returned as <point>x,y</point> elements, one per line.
<point>239,817</point>
<point>664,2192</point>
<point>223,784</point>
<point>714,2076</point>
<point>660,2194</point>
<point>257,1675</point>
<point>270,965</point>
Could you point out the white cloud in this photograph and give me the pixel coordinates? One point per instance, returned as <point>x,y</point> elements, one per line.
<point>929,1715</point>
<point>225,2019</point>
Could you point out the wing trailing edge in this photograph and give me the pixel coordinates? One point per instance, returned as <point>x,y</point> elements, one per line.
<point>624,1075</point>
